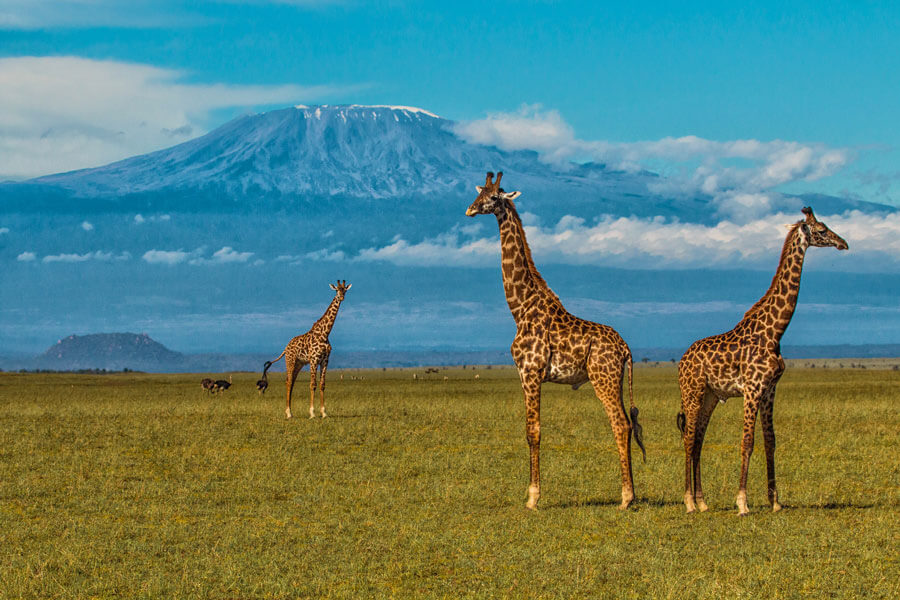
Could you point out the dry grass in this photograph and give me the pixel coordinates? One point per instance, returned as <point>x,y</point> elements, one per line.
<point>141,486</point>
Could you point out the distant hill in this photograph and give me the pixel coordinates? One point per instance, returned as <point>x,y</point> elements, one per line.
<point>111,351</point>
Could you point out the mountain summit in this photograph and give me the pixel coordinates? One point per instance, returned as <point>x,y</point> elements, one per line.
<point>349,150</point>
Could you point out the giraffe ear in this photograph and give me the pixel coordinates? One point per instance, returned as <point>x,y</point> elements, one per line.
<point>478,188</point>
<point>331,285</point>
<point>350,285</point>
<point>512,195</point>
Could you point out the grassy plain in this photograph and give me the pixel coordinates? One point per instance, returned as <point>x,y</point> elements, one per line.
<point>142,486</point>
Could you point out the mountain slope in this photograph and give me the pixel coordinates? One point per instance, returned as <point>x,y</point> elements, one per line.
<point>112,351</point>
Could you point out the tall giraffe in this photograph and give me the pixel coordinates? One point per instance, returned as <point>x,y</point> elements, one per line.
<point>553,345</point>
<point>313,349</point>
<point>745,361</point>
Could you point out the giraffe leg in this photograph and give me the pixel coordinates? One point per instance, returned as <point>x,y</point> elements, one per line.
<point>313,369</point>
<point>691,401</point>
<point>768,427</point>
<point>606,377</point>
<point>289,385</point>
<point>751,408</point>
<point>531,387</point>
<point>323,367</point>
<point>710,400</point>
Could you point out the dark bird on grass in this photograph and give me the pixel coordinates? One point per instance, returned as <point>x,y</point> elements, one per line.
<point>222,384</point>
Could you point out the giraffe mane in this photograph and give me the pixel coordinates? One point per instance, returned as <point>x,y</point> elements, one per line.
<point>784,252</point>
<point>532,268</point>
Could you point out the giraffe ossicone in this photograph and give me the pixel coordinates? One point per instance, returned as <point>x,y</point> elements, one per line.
<point>313,349</point>
<point>746,361</point>
<point>552,345</point>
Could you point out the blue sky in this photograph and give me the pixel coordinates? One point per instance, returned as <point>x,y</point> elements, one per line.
<point>811,72</point>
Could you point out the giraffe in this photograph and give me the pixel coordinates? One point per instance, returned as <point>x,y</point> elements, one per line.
<point>746,361</point>
<point>313,349</point>
<point>553,345</point>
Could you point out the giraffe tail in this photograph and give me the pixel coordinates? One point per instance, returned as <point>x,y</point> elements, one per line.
<point>681,421</point>
<point>636,428</point>
<point>269,363</point>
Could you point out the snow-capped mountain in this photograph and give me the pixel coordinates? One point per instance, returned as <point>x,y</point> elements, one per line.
<point>356,151</point>
<point>350,152</point>
<point>345,153</point>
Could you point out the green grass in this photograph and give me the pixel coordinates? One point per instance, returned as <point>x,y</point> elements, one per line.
<point>141,486</point>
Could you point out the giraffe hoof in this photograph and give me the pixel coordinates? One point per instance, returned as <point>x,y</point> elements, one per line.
<point>701,506</point>
<point>776,507</point>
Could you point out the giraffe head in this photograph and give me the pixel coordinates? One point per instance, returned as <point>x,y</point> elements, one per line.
<point>341,288</point>
<point>491,197</point>
<point>818,234</point>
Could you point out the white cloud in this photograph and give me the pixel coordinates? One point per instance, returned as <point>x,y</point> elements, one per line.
<point>61,113</point>
<point>655,243</point>
<point>75,258</point>
<point>330,255</point>
<point>442,250</point>
<point>27,257</point>
<point>4,230</point>
<point>224,255</point>
<point>139,218</point>
<point>735,173</point>
<point>165,257</point>
<point>87,226</point>
<point>529,129</point>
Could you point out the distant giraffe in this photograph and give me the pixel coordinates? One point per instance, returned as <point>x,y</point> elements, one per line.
<point>313,349</point>
<point>745,361</point>
<point>553,345</point>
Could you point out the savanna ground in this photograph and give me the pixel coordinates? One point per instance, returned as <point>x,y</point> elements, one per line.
<point>142,486</point>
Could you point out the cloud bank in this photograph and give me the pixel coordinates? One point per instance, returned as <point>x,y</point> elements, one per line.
<point>739,174</point>
<point>77,258</point>
<point>61,113</point>
<point>653,243</point>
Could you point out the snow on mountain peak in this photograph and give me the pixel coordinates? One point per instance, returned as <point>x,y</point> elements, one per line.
<point>344,109</point>
<point>408,109</point>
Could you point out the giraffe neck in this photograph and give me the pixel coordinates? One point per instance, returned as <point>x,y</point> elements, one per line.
<point>776,308</point>
<point>326,321</point>
<point>522,282</point>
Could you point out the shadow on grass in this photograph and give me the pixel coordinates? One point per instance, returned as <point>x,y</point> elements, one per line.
<point>637,503</point>
<point>833,506</point>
